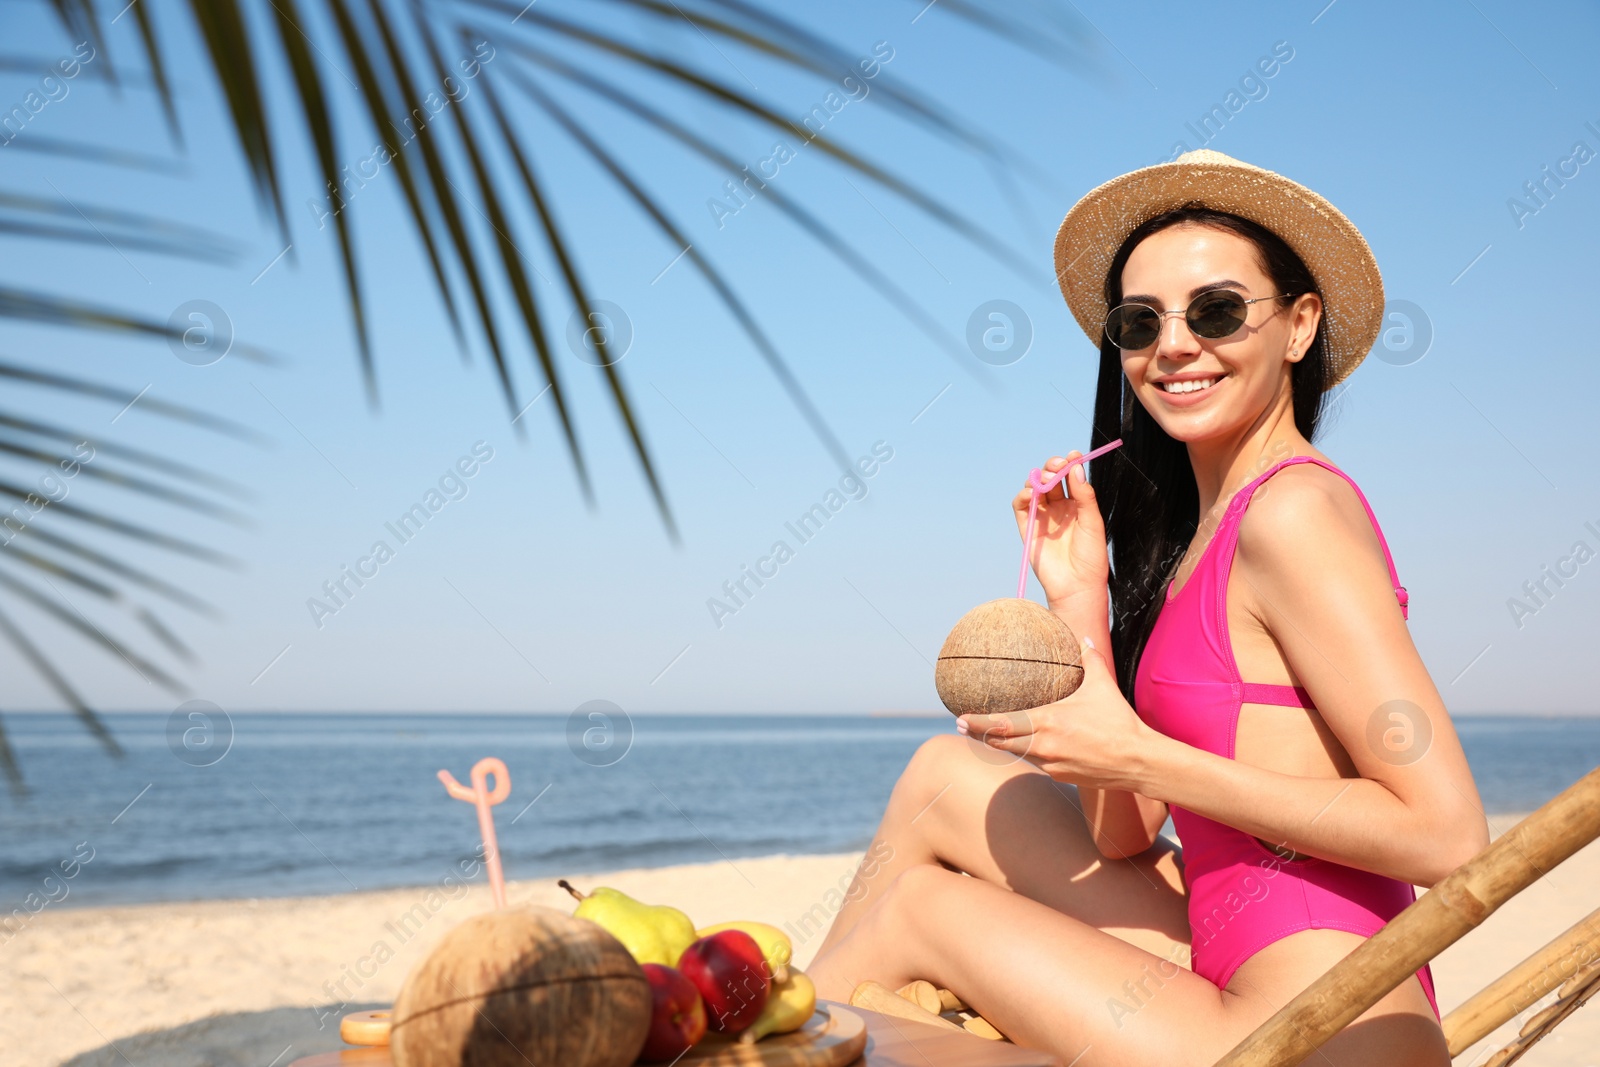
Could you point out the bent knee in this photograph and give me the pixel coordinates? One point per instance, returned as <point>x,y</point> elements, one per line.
<point>918,882</point>
<point>937,751</point>
<point>921,877</point>
<point>940,762</point>
<point>945,760</point>
<point>940,746</point>
<point>930,764</point>
<point>950,757</point>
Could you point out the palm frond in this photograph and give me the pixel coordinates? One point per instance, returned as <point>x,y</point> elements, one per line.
<point>153,405</point>
<point>784,39</point>
<point>158,69</point>
<point>378,111</point>
<point>444,195</point>
<point>602,341</point>
<point>133,483</point>
<point>53,232</point>
<point>47,670</point>
<point>724,291</point>
<point>41,307</point>
<point>112,565</point>
<point>1075,48</point>
<point>483,151</point>
<point>9,765</point>
<point>108,594</point>
<point>64,564</point>
<point>825,235</point>
<point>80,19</point>
<point>522,289</point>
<point>93,153</point>
<point>133,531</point>
<point>222,28</point>
<point>17,63</point>
<point>128,225</point>
<point>164,634</point>
<point>72,575</point>
<point>138,456</point>
<point>73,619</point>
<point>320,128</point>
<point>768,115</point>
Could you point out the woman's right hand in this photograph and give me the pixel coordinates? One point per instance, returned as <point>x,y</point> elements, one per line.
<point>1069,544</point>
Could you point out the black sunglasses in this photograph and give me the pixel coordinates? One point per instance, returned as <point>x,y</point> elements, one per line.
<point>1213,314</point>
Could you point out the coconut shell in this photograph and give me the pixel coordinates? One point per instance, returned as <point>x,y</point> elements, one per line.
<point>519,986</point>
<point>1007,655</point>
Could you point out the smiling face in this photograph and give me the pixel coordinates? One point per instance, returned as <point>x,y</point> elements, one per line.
<point>1199,388</point>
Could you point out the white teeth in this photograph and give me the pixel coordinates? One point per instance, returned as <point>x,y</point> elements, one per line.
<point>1192,386</point>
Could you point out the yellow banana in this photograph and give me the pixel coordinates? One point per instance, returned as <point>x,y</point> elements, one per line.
<point>788,1007</point>
<point>776,948</point>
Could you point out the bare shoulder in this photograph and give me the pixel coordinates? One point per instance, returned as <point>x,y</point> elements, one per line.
<point>1309,516</point>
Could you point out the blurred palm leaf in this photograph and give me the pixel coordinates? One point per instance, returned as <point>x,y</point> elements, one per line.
<point>399,59</point>
<point>52,562</point>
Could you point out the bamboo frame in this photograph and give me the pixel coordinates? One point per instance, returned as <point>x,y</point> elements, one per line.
<point>1524,985</point>
<point>1585,985</point>
<point>1459,903</point>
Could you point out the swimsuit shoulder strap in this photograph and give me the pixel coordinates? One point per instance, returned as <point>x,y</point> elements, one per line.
<point>1241,500</point>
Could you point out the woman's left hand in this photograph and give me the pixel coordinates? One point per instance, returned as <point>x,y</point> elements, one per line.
<point>1092,738</point>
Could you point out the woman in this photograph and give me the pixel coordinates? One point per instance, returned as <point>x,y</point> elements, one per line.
<point>1256,678</point>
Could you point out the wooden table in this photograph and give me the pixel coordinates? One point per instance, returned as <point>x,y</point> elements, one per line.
<point>891,1042</point>
<point>895,1042</point>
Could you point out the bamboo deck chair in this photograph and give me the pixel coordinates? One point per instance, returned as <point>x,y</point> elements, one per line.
<point>1569,965</point>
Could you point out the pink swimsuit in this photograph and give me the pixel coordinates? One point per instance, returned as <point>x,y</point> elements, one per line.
<point>1242,895</point>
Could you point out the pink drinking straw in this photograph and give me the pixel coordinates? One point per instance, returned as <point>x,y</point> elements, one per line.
<point>1042,485</point>
<point>485,799</point>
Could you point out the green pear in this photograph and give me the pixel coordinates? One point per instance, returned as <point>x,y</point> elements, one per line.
<point>652,933</point>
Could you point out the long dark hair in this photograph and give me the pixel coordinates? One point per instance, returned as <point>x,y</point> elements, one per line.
<point>1146,488</point>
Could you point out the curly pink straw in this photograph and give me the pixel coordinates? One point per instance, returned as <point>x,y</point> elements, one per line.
<point>485,799</point>
<point>1042,485</point>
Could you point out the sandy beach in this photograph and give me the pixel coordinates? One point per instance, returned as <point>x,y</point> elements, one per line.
<point>246,982</point>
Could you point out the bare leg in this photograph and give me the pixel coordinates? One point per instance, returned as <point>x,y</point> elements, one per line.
<point>1051,981</point>
<point>963,806</point>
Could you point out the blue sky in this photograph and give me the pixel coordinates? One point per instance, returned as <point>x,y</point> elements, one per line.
<point>1422,122</point>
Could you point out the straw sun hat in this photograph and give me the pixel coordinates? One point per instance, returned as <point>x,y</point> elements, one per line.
<point>1332,248</point>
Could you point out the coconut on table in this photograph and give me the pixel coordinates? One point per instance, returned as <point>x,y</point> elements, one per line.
<point>520,985</point>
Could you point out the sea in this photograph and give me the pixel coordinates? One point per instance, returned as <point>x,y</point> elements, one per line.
<point>201,804</point>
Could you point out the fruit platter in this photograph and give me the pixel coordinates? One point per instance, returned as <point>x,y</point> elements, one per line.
<point>617,982</point>
<point>733,978</point>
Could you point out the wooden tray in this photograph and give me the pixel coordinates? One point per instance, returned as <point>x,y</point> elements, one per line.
<point>835,1036</point>
<point>890,1042</point>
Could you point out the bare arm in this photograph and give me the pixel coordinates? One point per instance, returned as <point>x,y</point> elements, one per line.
<point>1316,577</point>
<point>1069,558</point>
<point>1311,572</point>
<point>1122,823</point>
